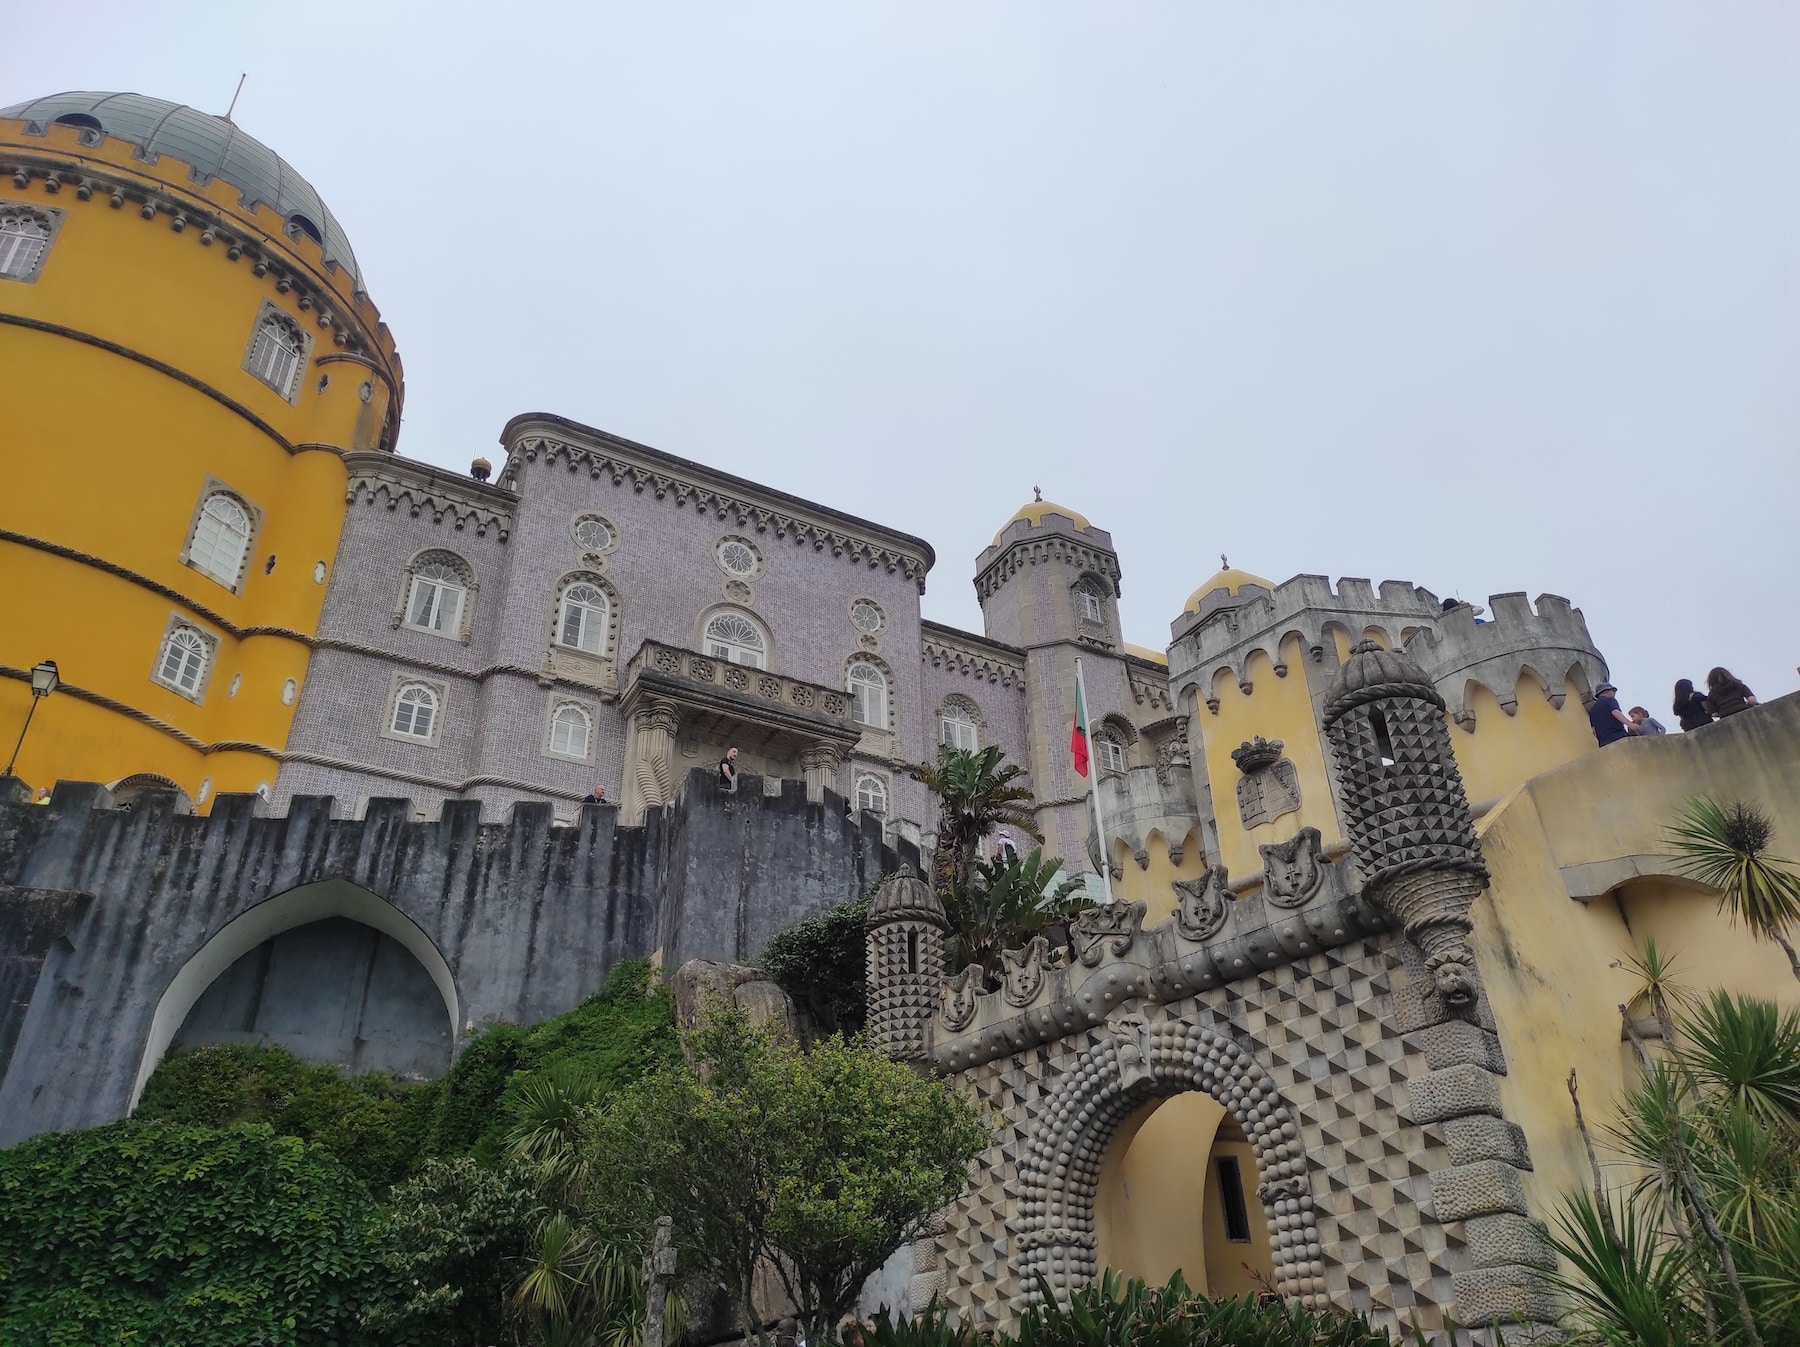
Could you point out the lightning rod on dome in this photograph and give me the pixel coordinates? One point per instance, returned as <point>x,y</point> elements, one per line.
<point>234,96</point>
<point>1037,493</point>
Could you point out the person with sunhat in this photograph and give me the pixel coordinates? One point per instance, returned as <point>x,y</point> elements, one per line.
<point>1610,723</point>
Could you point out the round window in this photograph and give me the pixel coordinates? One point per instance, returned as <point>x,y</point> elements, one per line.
<point>738,558</point>
<point>593,533</point>
<point>866,617</point>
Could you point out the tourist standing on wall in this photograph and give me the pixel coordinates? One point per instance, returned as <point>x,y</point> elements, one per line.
<point>1690,707</point>
<point>1726,694</point>
<point>1645,723</point>
<point>1610,723</point>
<point>728,771</point>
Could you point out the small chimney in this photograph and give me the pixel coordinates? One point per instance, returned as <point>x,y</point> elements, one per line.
<point>481,469</point>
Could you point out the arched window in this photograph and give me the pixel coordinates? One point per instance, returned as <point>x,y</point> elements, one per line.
<point>871,794</point>
<point>734,637</point>
<point>277,351</point>
<point>582,618</point>
<point>1089,603</point>
<point>958,727</point>
<point>868,689</point>
<point>221,538</point>
<point>436,601</point>
<point>182,663</point>
<point>571,729</point>
<point>1110,752</point>
<point>24,238</point>
<point>415,711</point>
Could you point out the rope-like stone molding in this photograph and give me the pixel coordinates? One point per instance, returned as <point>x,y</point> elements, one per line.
<point>101,700</point>
<point>1035,551</point>
<point>1136,1061</point>
<point>156,587</point>
<point>724,505</point>
<point>421,779</point>
<point>480,675</point>
<point>161,367</point>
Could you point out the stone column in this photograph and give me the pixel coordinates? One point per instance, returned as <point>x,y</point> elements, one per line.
<point>819,764</point>
<point>650,760</point>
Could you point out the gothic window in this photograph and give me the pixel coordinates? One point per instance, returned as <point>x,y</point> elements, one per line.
<point>958,727</point>
<point>435,603</point>
<point>415,712</point>
<point>1110,752</point>
<point>582,618</point>
<point>1089,603</point>
<point>181,664</point>
<point>277,351</point>
<point>571,730</point>
<point>871,794</point>
<point>866,616</point>
<point>734,637</point>
<point>220,539</point>
<point>868,688</point>
<point>24,240</point>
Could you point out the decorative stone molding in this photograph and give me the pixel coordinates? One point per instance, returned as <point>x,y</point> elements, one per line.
<point>645,469</point>
<point>1051,550</point>
<point>382,479</point>
<point>905,943</point>
<point>1107,929</point>
<point>819,765</point>
<point>1203,904</point>
<point>972,656</point>
<point>1293,870</point>
<point>1024,971</point>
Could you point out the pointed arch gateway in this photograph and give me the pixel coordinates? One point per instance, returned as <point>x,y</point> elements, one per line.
<point>1136,1061</point>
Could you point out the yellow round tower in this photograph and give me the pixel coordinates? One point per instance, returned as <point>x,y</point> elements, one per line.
<point>189,353</point>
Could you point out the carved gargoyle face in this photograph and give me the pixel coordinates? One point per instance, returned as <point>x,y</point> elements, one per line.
<point>1455,982</point>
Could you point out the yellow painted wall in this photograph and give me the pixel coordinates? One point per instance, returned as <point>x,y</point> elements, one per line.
<point>1152,884</point>
<point>1549,962</point>
<point>1157,1207</point>
<point>108,456</point>
<point>1276,708</point>
<point>1504,751</point>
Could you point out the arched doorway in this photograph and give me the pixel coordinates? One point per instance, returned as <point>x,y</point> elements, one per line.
<point>1177,1192</point>
<point>330,970</point>
<point>1133,1064</point>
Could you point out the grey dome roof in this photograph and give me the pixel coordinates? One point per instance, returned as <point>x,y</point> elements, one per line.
<point>905,898</point>
<point>214,146</point>
<point>1372,672</point>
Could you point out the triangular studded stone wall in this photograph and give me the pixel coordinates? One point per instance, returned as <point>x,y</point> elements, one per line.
<point>1326,1031</point>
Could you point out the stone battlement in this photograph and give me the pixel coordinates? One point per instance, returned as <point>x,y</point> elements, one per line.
<point>1550,646</point>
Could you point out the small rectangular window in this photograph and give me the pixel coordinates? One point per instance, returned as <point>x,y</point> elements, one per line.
<point>1231,1198</point>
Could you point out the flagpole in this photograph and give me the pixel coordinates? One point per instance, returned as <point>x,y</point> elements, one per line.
<point>1094,789</point>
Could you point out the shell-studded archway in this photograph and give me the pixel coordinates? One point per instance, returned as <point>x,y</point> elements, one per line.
<point>1133,1061</point>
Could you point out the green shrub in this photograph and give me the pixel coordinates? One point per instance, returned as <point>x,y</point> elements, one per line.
<point>158,1233</point>
<point>822,963</point>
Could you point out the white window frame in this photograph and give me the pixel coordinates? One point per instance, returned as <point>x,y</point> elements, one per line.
<point>872,606</point>
<point>863,781</point>
<point>731,650</point>
<point>1106,748</point>
<point>443,605</point>
<point>402,695</point>
<point>589,517</point>
<point>946,720</point>
<point>270,369</point>
<point>594,622</point>
<point>22,252</point>
<point>211,490</point>
<point>1091,606</point>
<point>555,723</point>
<point>754,552</point>
<point>202,649</point>
<point>869,696</point>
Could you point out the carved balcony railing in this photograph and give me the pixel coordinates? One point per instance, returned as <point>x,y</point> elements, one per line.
<point>706,688</point>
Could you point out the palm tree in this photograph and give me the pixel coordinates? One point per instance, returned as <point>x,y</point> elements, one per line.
<point>977,792</point>
<point>1725,847</point>
<point>1006,902</point>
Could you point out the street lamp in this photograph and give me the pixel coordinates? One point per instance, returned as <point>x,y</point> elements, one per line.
<point>43,682</point>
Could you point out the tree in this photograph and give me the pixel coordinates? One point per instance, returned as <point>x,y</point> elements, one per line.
<point>157,1232</point>
<point>817,1165</point>
<point>1725,847</point>
<point>1006,902</point>
<point>977,792</point>
<point>822,963</point>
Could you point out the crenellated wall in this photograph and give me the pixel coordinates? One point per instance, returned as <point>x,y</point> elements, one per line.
<point>117,921</point>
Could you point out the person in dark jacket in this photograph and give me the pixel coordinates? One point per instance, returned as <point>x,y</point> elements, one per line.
<point>1726,695</point>
<point>1690,707</point>
<point>1610,723</point>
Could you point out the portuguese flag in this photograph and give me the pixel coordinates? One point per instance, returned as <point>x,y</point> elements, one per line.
<point>1078,737</point>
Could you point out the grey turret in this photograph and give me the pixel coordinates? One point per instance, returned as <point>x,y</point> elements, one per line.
<point>1405,808</point>
<point>905,928</point>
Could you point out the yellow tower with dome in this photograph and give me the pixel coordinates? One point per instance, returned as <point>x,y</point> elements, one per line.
<point>190,355</point>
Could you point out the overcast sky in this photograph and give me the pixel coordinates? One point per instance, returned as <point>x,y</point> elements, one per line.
<point>1487,297</point>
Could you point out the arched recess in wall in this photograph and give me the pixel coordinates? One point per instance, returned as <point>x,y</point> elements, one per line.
<point>1137,1062</point>
<point>127,789</point>
<point>272,917</point>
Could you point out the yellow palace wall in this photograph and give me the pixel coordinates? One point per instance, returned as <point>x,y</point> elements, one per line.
<point>1550,961</point>
<point>108,452</point>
